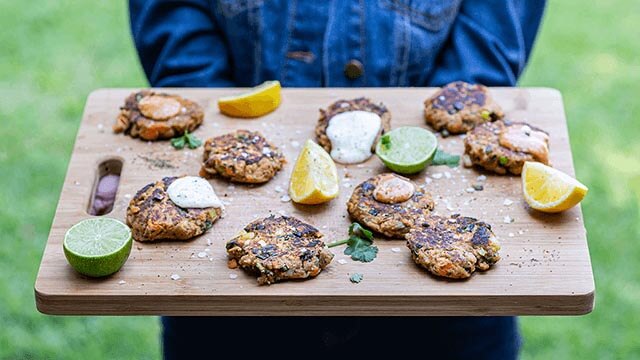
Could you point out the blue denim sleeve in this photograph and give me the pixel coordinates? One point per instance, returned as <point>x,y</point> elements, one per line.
<point>179,43</point>
<point>489,43</point>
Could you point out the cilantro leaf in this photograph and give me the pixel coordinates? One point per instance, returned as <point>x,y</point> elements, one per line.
<point>357,229</point>
<point>187,139</point>
<point>503,160</point>
<point>360,250</point>
<point>178,142</point>
<point>443,158</point>
<point>356,278</point>
<point>192,140</point>
<point>359,244</point>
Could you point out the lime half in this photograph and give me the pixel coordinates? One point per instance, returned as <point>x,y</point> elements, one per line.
<point>407,150</point>
<point>98,246</point>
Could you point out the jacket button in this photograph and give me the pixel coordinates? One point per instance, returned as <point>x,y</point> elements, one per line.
<point>353,69</point>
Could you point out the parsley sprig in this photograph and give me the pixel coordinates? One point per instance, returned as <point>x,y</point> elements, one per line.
<point>187,139</point>
<point>359,244</point>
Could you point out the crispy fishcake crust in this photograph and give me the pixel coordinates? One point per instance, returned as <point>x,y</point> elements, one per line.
<point>131,121</point>
<point>458,107</point>
<point>482,145</point>
<point>341,106</point>
<point>453,247</point>
<point>241,156</point>
<point>153,216</point>
<point>392,220</point>
<point>280,248</point>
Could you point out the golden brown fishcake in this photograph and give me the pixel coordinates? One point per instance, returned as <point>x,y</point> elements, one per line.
<point>459,106</point>
<point>490,147</point>
<point>153,216</point>
<point>453,247</point>
<point>156,116</point>
<point>390,219</point>
<point>340,106</point>
<point>241,156</point>
<point>280,248</point>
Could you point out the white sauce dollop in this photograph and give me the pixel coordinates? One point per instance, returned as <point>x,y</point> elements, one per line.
<point>352,134</point>
<point>193,192</point>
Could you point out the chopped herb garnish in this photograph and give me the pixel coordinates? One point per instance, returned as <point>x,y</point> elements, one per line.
<point>359,244</point>
<point>503,160</point>
<point>187,139</point>
<point>356,278</point>
<point>444,158</point>
<point>386,142</point>
<point>486,114</point>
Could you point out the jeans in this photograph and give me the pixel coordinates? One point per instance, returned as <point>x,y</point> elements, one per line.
<point>427,337</point>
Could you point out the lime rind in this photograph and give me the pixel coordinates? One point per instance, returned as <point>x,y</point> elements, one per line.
<point>98,247</point>
<point>95,230</point>
<point>407,150</point>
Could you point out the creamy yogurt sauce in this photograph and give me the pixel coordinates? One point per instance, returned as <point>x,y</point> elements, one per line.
<point>352,134</point>
<point>193,192</point>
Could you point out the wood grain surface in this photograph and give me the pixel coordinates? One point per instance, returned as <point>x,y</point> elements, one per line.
<point>545,266</point>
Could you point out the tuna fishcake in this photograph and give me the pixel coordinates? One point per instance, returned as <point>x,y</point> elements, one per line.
<point>389,204</point>
<point>459,107</point>
<point>155,116</point>
<point>504,146</point>
<point>152,215</point>
<point>279,248</point>
<point>453,247</point>
<point>335,129</point>
<point>242,156</point>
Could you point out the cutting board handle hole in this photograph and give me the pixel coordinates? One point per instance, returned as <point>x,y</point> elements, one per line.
<point>105,187</point>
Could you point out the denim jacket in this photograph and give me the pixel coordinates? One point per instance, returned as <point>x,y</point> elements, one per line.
<point>347,43</point>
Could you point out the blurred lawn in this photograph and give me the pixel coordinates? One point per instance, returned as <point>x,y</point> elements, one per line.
<point>53,53</point>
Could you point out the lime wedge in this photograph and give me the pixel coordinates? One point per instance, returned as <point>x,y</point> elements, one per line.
<point>407,150</point>
<point>97,247</point>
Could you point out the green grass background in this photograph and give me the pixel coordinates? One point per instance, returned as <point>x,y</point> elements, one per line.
<point>53,53</point>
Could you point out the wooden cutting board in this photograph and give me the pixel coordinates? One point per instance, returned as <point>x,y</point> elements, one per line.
<point>545,266</point>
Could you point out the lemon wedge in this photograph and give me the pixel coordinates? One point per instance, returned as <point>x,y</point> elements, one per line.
<point>259,101</point>
<point>549,190</point>
<point>314,179</point>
